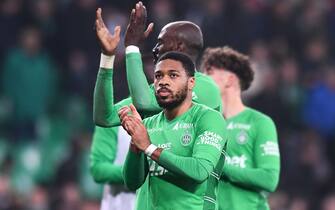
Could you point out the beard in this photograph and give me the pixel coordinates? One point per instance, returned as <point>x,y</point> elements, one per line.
<point>173,100</point>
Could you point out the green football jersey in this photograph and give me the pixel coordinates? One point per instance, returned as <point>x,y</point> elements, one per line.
<point>102,156</point>
<point>252,165</point>
<point>142,95</point>
<point>193,144</point>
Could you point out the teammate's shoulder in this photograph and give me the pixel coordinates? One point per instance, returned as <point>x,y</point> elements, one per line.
<point>205,110</point>
<point>199,76</point>
<point>205,82</point>
<point>152,118</point>
<point>258,116</point>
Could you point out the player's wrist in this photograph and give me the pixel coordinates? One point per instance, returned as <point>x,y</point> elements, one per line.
<point>133,148</point>
<point>106,61</point>
<point>132,49</point>
<point>150,150</point>
<point>156,154</point>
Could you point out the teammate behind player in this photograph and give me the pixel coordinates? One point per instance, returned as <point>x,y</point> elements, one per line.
<point>252,167</point>
<point>108,152</point>
<point>177,150</point>
<point>181,36</point>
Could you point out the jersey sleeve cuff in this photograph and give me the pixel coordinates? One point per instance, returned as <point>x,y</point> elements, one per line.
<point>132,49</point>
<point>106,61</point>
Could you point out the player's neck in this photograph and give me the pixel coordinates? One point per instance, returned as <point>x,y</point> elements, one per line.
<point>232,103</point>
<point>179,110</point>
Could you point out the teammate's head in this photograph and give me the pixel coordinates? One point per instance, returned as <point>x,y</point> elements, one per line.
<point>174,79</point>
<point>228,67</point>
<point>181,36</point>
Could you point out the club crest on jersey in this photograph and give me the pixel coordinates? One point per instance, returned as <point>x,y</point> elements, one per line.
<point>242,137</point>
<point>186,138</point>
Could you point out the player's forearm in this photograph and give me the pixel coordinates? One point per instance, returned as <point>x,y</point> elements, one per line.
<point>104,114</point>
<point>107,173</point>
<point>190,167</point>
<point>254,178</point>
<point>140,91</point>
<point>135,170</point>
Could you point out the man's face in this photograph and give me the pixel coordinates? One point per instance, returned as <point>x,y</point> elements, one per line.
<point>171,83</point>
<point>165,42</point>
<point>220,76</point>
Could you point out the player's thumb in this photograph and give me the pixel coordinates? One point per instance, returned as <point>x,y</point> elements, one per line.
<point>149,30</point>
<point>117,31</point>
<point>134,111</point>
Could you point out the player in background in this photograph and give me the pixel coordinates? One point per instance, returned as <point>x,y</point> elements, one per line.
<point>177,150</point>
<point>252,166</point>
<point>108,152</point>
<point>181,36</point>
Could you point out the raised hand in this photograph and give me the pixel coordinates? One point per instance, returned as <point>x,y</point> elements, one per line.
<point>108,41</point>
<point>131,121</point>
<point>136,32</point>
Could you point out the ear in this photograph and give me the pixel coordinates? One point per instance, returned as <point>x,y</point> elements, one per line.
<point>231,79</point>
<point>191,83</point>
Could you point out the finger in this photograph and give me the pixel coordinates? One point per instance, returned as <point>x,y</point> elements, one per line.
<point>97,15</point>
<point>124,108</point>
<point>129,130</point>
<point>124,121</point>
<point>134,112</point>
<point>138,122</point>
<point>127,124</point>
<point>123,112</point>
<point>97,26</point>
<point>132,16</point>
<point>139,13</point>
<point>125,127</point>
<point>138,5</point>
<point>149,30</point>
<point>99,18</point>
<point>117,31</point>
<point>144,14</point>
<point>123,115</point>
<point>130,125</point>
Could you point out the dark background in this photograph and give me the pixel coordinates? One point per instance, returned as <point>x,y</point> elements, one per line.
<point>49,58</point>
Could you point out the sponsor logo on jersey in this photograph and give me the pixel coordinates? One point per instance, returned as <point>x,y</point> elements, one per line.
<point>165,146</point>
<point>270,148</point>
<point>186,138</point>
<point>152,130</point>
<point>239,161</point>
<point>182,125</point>
<point>233,125</point>
<point>242,137</point>
<point>155,169</point>
<point>211,138</point>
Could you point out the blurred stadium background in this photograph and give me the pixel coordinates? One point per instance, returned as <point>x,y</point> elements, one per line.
<point>49,59</point>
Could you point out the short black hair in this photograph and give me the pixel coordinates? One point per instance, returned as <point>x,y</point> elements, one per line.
<point>230,60</point>
<point>184,59</point>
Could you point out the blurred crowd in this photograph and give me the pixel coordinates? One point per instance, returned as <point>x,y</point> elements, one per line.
<point>49,58</point>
